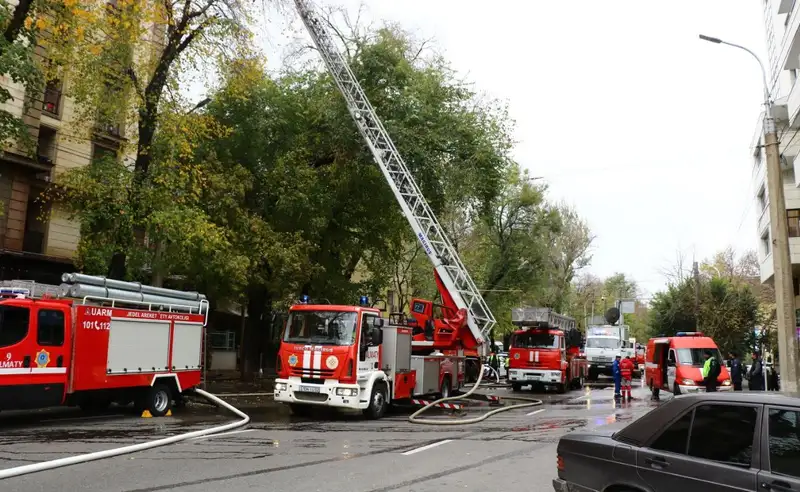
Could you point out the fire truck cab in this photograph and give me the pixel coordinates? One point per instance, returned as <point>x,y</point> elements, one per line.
<point>674,364</point>
<point>350,357</point>
<point>546,353</point>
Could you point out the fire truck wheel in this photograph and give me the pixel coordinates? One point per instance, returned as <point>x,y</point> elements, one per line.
<point>377,401</point>
<point>159,400</point>
<point>516,387</point>
<point>561,389</point>
<point>444,392</point>
<point>676,390</point>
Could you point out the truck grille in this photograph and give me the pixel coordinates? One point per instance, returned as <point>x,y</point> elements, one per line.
<point>316,397</point>
<point>315,373</point>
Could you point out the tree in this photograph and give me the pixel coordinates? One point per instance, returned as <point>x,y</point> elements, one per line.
<point>569,254</point>
<point>125,64</point>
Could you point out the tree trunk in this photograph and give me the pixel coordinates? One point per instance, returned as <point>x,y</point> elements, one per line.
<point>157,278</point>
<point>258,299</point>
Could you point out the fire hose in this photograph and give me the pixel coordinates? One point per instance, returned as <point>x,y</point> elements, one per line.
<point>529,402</point>
<point>110,453</point>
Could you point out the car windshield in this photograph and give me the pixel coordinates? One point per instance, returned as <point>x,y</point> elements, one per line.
<point>535,340</point>
<point>321,327</point>
<point>605,343</point>
<point>694,356</point>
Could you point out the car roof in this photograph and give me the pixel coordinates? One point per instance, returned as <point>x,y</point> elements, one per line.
<point>642,429</point>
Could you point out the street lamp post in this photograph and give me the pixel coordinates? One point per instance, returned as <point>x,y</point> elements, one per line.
<point>779,227</point>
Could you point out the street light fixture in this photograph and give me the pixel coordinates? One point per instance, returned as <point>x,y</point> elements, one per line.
<point>779,228</point>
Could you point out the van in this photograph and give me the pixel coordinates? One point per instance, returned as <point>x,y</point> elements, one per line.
<point>675,364</point>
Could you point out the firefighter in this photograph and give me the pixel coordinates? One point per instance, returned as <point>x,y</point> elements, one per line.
<point>507,363</point>
<point>494,361</point>
<point>711,370</point>
<point>617,376</point>
<point>626,367</point>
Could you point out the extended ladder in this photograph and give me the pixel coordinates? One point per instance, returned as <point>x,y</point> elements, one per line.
<point>419,214</point>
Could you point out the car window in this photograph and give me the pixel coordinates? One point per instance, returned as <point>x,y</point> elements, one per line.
<point>723,433</point>
<point>784,442</point>
<point>676,437</point>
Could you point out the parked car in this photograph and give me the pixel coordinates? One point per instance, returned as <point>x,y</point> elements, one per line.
<point>699,442</point>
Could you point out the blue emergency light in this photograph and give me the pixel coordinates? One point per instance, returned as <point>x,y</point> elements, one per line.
<point>363,300</point>
<point>689,334</point>
<point>304,299</point>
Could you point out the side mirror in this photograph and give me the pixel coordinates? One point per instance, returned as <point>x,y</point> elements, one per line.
<point>377,335</point>
<point>670,363</point>
<point>377,322</point>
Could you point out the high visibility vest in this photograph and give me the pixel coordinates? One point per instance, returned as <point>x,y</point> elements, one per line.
<point>707,367</point>
<point>507,362</point>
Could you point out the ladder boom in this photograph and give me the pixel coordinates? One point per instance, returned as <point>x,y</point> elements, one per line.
<point>426,227</point>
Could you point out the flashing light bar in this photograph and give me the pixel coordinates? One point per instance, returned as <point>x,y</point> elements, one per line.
<point>15,292</point>
<point>304,299</point>
<point>689,334</point>
<point>363,301</point>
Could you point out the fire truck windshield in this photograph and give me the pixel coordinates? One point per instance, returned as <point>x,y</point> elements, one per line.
<point>539,339</point>
<point>602,343</point>
<point>694,356</point>
<point>321,327</point>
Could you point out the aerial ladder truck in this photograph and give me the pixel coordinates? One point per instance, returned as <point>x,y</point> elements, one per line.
<point>348,356</point>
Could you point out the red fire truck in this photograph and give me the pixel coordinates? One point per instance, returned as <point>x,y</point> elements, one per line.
<point>349,357</point>
<point>93,341</point>
<point>546,352</point>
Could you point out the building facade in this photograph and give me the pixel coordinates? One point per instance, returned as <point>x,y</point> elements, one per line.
<point>37,239</point>
<point>782,31</point>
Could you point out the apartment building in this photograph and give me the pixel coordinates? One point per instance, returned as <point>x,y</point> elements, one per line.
<point>37,239</point>
<point>782,30</point>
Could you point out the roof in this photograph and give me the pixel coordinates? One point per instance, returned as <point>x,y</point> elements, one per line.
<point>688,342</point>
<point>641,430</point>
<point>332,307</point>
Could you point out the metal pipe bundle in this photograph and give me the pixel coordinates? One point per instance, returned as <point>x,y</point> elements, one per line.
<point>78,285</point>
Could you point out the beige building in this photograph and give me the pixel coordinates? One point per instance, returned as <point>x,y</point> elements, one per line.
<point>38,240</point>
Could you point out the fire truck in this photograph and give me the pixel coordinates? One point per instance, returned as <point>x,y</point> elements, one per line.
<point>350,356</point>
<point>92,341</point>
<point>546,352</point>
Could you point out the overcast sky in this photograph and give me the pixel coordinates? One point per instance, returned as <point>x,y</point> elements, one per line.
<point>627,115</point>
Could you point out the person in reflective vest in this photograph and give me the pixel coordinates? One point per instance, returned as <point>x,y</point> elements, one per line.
<point>626,371</point>
<point>617,376</point>
<point>711,370</point>
<point>507,363</point>
<point>494,362</point>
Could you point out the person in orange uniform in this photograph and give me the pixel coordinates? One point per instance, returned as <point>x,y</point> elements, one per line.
<point>626,371</point>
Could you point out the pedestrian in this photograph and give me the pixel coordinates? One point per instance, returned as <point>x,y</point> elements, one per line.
<point>755,376</point>
<point>626,372</point>
<point>736,371</point>
<point>711,370</point>
<point>494,361</point>
<point>617,376</point>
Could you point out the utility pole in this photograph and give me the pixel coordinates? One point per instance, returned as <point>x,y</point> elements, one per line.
<point>779,230</point>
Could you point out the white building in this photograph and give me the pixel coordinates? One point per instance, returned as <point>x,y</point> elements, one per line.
<point>782,30</point>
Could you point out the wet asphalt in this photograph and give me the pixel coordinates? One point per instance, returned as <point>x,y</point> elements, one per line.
<point>330,452</point>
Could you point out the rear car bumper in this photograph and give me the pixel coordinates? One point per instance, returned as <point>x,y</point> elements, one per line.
<point>330,394</point>
<point>564,486</point>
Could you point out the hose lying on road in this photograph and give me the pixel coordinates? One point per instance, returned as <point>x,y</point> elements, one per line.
<point>109,453</point>
<point>530,402</point>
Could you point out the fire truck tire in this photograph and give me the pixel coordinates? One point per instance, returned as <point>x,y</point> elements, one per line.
<point>159,400</point>
<point>516,387</point>
<point>561,389</point>
<point>444,391</point>
<point>377,401</point>
<point>676,390</point>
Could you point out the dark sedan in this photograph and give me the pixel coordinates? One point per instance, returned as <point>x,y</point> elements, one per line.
<point>701,442</point>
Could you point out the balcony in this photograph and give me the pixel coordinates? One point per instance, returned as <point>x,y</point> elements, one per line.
<point>789,54</point>
<point>51,102</point>
<point>785,6</point>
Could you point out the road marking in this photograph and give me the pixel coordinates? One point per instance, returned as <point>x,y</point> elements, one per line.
<point>223,434</point>
<point>425,448</point>
<point>535,412</point>
<point>579,398</point>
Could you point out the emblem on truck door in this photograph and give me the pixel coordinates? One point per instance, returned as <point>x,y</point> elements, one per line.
<point>42,358</point>
<point>332,362</point>
<point>292,360</point>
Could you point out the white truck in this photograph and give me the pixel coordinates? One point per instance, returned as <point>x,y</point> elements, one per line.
<point>603,344</point>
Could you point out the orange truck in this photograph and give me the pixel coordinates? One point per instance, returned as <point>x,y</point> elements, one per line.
<point>545,351</point>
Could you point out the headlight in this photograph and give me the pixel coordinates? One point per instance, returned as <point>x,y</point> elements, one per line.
<point>555,374</point>
<point>346,392</point>
<point>280,386</point>
<point>687,382</point>
<point>727,382</point>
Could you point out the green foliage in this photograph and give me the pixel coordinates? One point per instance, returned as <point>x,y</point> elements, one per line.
<point>728,312</point>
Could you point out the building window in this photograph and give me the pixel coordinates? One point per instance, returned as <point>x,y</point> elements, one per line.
<point>46,145</point>
<point>52,98</point>
<point>765,245</point>
<point>793,217</point>
<point>762,199</point>
<point>100,153</point>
